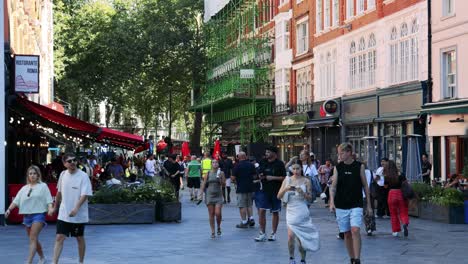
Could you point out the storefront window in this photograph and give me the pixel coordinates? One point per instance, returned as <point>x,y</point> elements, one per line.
<point>453,158</point>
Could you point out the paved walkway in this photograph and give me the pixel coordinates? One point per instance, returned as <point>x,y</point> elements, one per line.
<point>189,242</point>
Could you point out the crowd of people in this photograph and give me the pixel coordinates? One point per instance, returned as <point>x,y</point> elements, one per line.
<point>353,193</point>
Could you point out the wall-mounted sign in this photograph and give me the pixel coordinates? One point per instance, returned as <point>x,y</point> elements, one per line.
<point>27,73</point>
<point>247,73</point>
<point>330,107</point>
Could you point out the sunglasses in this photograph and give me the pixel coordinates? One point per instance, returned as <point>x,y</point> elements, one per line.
<point>71,160</point>
<point>29,193</point>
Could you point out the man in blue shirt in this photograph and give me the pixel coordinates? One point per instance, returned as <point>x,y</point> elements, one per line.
<point>243,175</point>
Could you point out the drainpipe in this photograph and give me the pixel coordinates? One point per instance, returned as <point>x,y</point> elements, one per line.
<point>429,50</point>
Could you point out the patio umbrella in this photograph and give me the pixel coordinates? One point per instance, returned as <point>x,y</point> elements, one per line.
<point>217,149</point>
<point>371,153</point>
<point>185,149</point>
<point>161,145</point>
<point>413,161</point>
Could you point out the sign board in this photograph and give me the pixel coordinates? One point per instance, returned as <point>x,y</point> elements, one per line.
<point>27,73</point>
<point>330,107</point>
<point>247,73</point>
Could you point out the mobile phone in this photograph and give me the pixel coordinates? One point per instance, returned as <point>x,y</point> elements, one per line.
<point>293,188</point>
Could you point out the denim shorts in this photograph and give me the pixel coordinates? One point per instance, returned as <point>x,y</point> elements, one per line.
<point>264,200</point>
<point>29,219</point>
<point>347,218</point>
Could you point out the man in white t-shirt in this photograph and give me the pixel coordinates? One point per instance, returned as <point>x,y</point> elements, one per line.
<point>74,187</point>
<point>150,167</point>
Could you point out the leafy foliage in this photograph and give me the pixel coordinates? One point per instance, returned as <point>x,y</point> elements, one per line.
<point>438,195</point>
<point>129,53</point>
<point>146,193</point>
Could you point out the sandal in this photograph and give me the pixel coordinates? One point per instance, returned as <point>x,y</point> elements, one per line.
<point>219,231</point>
<point>213,235</point>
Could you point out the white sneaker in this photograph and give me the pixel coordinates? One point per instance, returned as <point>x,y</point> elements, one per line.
<point>395,234</point>
<point>292,261</point>
<point>41,261</point>
<point>272,237</point>
<point>261,238</point>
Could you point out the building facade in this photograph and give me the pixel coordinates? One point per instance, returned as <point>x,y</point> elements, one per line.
<point>29,31</point>
<point>238,93</point>
<point>370,61</point>
<point>447,113</point>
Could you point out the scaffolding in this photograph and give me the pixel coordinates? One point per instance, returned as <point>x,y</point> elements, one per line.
<point>235,42</point>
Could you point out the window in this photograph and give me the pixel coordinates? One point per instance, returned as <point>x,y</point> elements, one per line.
<point>360,7</point>
<point>303,77</point>
<point>282,36</point>
<point>336,13</point>
<point>404,54</point>
<point>282,88</point>
<point>363,63</point>
<point>447,8</point>
<point>370,4</point>
<point>327,14</point>
<point>372,63</point>
<point>282,2</point>
<point>352,65</point>
<point>319,16</point>
<point>302,38</point>
<point>327,74</point>
<point>349,9</point>
<point>449,77</point>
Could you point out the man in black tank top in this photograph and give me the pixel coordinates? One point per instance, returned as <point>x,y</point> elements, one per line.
<point>346,199</point>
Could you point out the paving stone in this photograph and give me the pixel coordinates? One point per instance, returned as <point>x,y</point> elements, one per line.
<point>189,242</point>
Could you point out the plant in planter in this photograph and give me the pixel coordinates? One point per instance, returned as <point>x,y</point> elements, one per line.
<point>122,205</point>
<point>423,192</point>
<point>168,208</point>
<point>443,205</point>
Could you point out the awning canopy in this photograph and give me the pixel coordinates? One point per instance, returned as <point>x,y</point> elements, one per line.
<point>118,136</point>
<point>50,115</point>
<point>68,124</point>
<point>446,108</point>
<point>286,131</point>
<point>316,123</point>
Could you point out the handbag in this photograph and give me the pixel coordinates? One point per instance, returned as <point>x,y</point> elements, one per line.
<point>407,190</point>
<point>373,187</point>
<point>285,198</point>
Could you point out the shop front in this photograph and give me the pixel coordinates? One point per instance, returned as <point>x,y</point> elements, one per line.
<point>448,137</point>
<point>288,135</point>
<point>324,129</point>
<point>391,116</point>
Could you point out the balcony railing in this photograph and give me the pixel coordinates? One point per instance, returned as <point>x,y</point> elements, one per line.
<point>281,108</point>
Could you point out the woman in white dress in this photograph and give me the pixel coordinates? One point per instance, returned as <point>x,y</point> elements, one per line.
<point>298,190</point>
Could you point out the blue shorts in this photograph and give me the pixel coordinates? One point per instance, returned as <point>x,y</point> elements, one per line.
<point>30,219</point>
<point>347,218</point>
<point>267,201</point>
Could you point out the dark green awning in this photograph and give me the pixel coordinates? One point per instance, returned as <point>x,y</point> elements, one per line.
<point>293,130</point>
<point>446,108</point>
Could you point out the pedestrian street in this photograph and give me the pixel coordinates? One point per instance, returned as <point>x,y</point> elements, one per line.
<point>190,242</point>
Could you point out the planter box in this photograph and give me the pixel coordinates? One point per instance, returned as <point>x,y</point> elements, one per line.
<point>414,208</point>
<point>104,214</point>
<point>444,214</point>
<point>169,211</point>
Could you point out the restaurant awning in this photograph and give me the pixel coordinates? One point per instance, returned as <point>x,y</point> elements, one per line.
<point>75,126</point>
<point>286,131</point>
<point>118,136</point>
<point>58,118</point>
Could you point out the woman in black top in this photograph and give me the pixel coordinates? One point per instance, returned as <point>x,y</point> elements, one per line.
<point>398,206</point>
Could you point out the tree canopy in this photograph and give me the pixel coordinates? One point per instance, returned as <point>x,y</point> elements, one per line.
<point>129,53</point>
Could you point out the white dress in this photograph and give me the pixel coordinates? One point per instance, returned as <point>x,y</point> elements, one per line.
<point>299,221</point>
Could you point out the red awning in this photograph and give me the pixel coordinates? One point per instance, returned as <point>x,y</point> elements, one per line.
<point>118,136</point>
<point>59,118</point>
<point>121,144</point>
